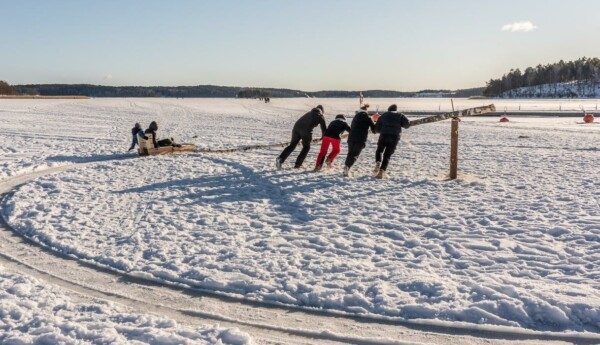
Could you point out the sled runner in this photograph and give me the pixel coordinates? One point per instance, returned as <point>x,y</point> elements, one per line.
<point>146,148</point>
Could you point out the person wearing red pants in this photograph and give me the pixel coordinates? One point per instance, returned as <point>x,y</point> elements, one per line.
<point>332,137</point>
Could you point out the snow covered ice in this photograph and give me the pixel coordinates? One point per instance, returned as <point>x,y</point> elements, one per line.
<point>32,313</point>
<point>513,242</point>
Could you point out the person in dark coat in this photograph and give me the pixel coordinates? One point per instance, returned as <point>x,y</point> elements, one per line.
<point>333,137</point>
<point>389,126</point>
<point>135,131</point>
<point>152,130</point>
<point>357,140</point>
<point>302,130</point>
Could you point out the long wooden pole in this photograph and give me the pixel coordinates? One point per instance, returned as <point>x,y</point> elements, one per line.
<point>466,112</point>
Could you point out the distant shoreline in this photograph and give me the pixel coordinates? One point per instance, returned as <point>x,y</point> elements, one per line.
<point>214,91</point>
<point>43,97</point>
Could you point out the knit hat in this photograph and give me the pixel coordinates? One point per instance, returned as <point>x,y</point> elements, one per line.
<point>340,116</point>
<point>321,107</point>
<point>393,107</point>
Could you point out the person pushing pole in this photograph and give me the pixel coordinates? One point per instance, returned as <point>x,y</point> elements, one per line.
<point>389,126</point>
<point>357,139</point>
<point>333,138</point>
<point>302,131</point>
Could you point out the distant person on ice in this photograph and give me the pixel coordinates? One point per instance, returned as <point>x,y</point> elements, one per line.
<point>302,130</point>
<point>333,137</point>
<point>135,131</point>
<point>152,130</point>
<point>357,140</point>
<point>389,126</point>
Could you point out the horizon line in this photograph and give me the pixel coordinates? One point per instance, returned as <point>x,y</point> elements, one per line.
<point>250,87</point>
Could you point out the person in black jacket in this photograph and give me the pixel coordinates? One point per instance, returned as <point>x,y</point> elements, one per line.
<point>389,126</point>
<point>152,130</point>
<point>359,131</point>
<point>303,129</point>
<point>333,137</point>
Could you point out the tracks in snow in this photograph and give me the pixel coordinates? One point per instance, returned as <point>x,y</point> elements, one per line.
<point>266,324</point>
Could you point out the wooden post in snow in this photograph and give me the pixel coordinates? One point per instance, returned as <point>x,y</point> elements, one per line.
<point>454,149</point>
<point>454,115</point>
<point>453,146</point>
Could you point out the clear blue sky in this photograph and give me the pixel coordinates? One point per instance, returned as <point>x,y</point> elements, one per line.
<point>300,44</point>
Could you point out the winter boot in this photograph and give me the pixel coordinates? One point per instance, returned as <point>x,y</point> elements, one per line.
<point>278,163</point>
<point>381,174</point>
<point>347,171</point>
<point>329,163</point>
<point>317,167</point>
<point>376,170</point>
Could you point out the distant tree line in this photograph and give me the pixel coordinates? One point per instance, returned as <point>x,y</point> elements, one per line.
<point>366,94</point>
<point>212,91</point>
<point>560,72</point>
<point>200,91</point>
<point>128,91</point>
<point>7,89</point>
<point>253,93</point>
<point>475,91</point>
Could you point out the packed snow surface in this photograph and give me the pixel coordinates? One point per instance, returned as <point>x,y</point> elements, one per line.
<point>513,241</point>
<point>41,133</point>
<point>32,313</point>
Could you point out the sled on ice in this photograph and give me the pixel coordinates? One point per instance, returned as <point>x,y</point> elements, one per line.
<point>146,147</point>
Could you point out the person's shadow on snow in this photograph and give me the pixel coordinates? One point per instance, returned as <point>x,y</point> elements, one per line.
<point>90,159</point>
<point>243,185</point>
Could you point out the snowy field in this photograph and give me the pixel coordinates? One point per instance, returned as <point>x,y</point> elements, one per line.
<point>513,242</point>
<point>32,313</point>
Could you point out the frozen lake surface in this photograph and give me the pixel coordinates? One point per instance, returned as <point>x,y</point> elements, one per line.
<point>513,242</point>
